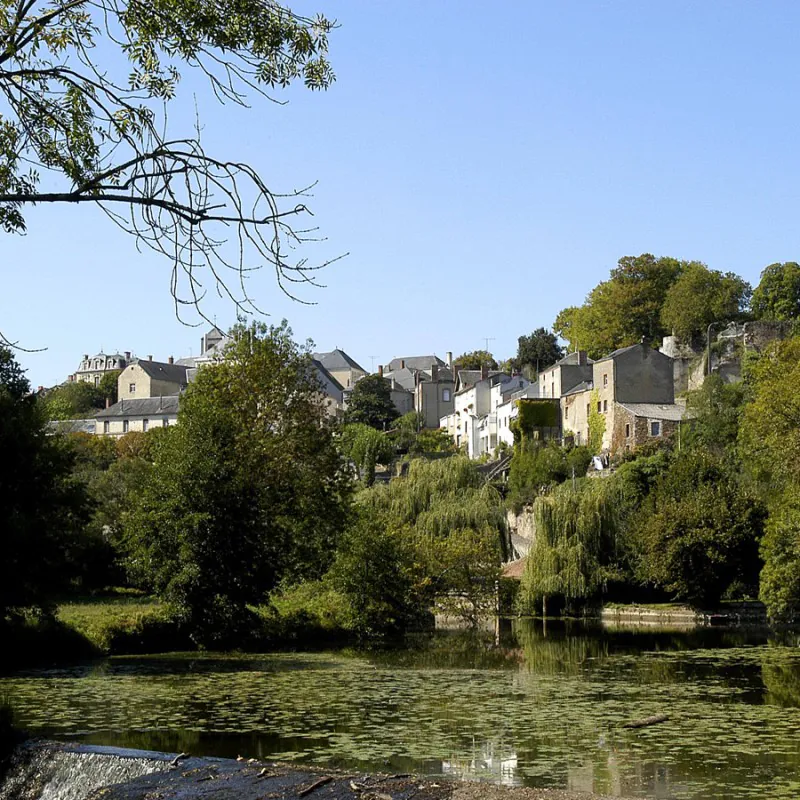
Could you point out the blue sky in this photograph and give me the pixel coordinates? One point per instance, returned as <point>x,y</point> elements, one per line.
<point>483,164</point>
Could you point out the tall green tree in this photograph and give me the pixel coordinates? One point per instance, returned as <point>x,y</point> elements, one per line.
<point>73,400</point>
<point>777,295</point>
<point>701,296</point>
<point>42,508</point>
<point>475,360</point>
<point>108,385</point>
<point>622,310</point>
<point>371,403</point>
<point>366,447</point>
<point>537,351</point>
<point>247,489</point>
<point>698,532</point>
<point>87,85</point>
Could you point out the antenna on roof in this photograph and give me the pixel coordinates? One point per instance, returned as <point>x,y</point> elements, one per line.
<point>372,365</point>
<point>488,339</point>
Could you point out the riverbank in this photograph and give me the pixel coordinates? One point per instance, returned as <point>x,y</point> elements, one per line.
<point>40,769</point>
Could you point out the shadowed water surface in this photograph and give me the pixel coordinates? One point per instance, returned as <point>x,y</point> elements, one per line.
<point>539,705</point>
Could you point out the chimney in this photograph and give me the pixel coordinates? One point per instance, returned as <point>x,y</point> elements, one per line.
<point>484,371</point>
<point>449,358</point>
<point>402,363</point>
<point>85,356</point>
<point>149,358</point>
<point>108,402</point>
<point>380,370</point>
<point>434,372</point>
<point>581,358</point>
<point>170,360</point>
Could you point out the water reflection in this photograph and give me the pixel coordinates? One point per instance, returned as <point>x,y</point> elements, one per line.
<point>539,703</point>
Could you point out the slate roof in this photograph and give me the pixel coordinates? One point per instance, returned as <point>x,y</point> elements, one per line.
<point>570,359</point>
<point>337,360</point>
<point>415,362</point>
<point>72,425</point>
<point>142,407</point>
<point>619,351</point>
<point>407,378</point>
<point>176,373</point>
<point>330,385</point>
<point>583,386</point>
<point>469,377</point>
<point>671,411</point>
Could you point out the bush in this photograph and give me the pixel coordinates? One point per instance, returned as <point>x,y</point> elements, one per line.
<point>698,532</point>
<point>780,549</point>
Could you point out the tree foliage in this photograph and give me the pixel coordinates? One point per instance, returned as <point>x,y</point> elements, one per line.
<point>87,83</point>
<point>769,435</point>
<point>451,531</point>
<point>777,295</point>
<point>42,508</point>
<point>246,490</point>
<point>537,351</point>
<point>74,400</point>
<point>576,552</point>
<point>623,310</point>
<point>780,549</point>
<point>698,531</point>
<point>371,403</point>
<point>475,360</point>
<point>701,296</point>
<point>366,447</point>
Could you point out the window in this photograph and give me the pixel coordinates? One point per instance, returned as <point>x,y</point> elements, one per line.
<point>566,413</point>
<point>465,426</point>
<point>124,426</point>
<point>145,424</point>
<point>627,430</point>
<point>605,406</point>
<point>164,422</point>
<point>105,426</point>
<point>599,407</point>
<point>588,410</point>
<point>131,388</point>
<point>605,380</point>
<point>655,429</point>
<point>445,395</point>
<point>96,380</point>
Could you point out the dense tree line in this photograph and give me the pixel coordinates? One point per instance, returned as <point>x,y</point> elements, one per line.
<point>646,298</point>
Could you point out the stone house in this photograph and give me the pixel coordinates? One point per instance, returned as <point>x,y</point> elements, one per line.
<point>629,376</point>
<point>141,414</point>
<point>564,375</point>
<point>331,393</point>
<point>91,370</point>
<point>433,395</point>
<point>151,379</point>
<point>345,370</point>
<point>637,423</point>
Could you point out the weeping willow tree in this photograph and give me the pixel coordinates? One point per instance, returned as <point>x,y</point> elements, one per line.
<point>454,527</point>
<point>577,550</point>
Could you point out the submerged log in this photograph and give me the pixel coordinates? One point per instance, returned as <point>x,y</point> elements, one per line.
<point>643,723</point>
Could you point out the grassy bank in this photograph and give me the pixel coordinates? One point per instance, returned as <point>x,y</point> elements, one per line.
<point>125,623</point>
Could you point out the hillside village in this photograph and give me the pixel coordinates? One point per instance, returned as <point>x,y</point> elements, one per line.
<point>635,394</point>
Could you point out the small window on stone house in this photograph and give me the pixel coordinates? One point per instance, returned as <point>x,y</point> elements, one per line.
<point>96,380</point>
<point>599,407</point>
<point>605,406</point>
<point>588,410</point>
<point>655,428</point>
<point>131,388</point>
<point>164,422</point>
<point>106,426</point>
<point>566,413</point>
<point>124,426</point>
<point>445,395</point>
<point>605,380</point>
<point>627,430</point>
<point>145,424</point>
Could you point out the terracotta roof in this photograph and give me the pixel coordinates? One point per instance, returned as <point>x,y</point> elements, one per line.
<point>514,569</point>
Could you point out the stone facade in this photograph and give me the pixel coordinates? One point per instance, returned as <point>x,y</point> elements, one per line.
<point>151,379</point>
<point>637,424</point>
<point>92,370</point>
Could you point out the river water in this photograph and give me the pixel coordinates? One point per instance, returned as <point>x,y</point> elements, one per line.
<point>537,704</point>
